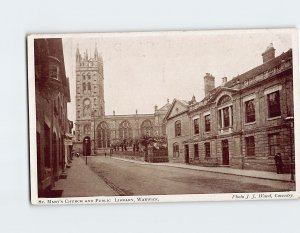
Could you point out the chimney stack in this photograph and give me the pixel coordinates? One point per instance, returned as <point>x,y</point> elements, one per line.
<point>114,113</point>
<point>209,83</point>
<point>269,53</point>
<point>155,107</point>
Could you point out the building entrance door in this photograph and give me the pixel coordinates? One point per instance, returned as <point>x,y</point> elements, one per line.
<point>186,154</point>
<point>225,152</point>
<point>86,146</point>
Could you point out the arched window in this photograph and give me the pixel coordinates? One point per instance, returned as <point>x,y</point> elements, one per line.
<point>146,128</point>
<point>224,99</point>
<point>86,107</point>
<point>125,130</point>
<point>103,135</point>
<point>225,113</point>
<point>87,129</point>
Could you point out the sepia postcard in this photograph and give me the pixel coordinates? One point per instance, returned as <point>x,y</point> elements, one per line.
<point>147,117</point>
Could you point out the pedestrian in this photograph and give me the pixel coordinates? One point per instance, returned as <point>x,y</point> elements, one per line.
<point>105,153</point>
<point>278,163</point>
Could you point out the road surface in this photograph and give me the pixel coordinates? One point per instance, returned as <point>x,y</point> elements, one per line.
<point>127,178</point>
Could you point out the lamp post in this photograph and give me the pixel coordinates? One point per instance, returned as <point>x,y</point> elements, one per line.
<point>85,149</point>
<point>94,113</point>
<point>291,122</point>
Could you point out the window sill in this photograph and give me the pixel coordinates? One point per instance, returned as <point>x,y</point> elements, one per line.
<point>273,118</point>
<point>250,123</point>
<point>225,130</point>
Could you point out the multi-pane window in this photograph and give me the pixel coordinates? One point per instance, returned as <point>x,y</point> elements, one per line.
<point>125,130</point>
<point>274,144</point>
<point>175,150</point>
<point>207,123</point>
<point>250,111</point>
<point>225,117</point>
<point>207,149</point>
<point>177,128</point>
<point>274,104</point>
<point>225,112</point>
<point>146,128</point>
<point>196,126</point>
<point>196,151</point>
<point>250,146</point>
<point>103,135</point>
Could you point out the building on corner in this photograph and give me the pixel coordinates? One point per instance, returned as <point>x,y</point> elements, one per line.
<point>242,123</point>
<point>52,125</point>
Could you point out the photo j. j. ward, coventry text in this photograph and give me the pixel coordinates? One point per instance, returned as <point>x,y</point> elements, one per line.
<point>162,113</point>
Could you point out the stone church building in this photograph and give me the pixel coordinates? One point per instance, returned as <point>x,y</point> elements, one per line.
<point>94,130</point>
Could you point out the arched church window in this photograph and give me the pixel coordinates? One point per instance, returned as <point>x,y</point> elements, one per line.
<point>89,86</point>
<point>87,129</point>
<point>147,128</point>
<point>83,86</point>
<point>103,135</point>
<point>125,131</point>
<point>86,107</point>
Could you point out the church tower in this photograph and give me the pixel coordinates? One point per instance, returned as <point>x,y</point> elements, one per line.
<point>89,92</point>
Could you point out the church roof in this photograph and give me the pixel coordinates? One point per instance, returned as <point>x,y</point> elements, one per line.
<point>165,107</point>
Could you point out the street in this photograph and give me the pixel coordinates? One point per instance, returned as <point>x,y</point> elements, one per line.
<point>127,178</point>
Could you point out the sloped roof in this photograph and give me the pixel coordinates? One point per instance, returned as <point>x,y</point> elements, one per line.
<point>182,102</point>
<point>165,107</point>
<point>261,68</point>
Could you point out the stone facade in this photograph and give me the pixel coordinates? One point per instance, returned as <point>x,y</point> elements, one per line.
<point>95,131</point>
<point>53,129</point>
<point>243,122</point>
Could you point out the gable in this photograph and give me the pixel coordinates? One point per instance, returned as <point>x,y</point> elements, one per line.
<point>177,108</point>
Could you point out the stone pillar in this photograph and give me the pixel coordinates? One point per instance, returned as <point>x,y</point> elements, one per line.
<point>230,115</point>
<point>222,118</point>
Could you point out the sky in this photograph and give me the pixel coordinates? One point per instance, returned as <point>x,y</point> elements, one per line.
<point>142,70</point>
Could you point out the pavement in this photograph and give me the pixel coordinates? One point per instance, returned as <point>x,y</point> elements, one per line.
<point>81,181</point>
<point>224,170</point>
